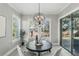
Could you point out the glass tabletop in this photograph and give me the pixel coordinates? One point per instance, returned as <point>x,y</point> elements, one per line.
<point>46,45</point>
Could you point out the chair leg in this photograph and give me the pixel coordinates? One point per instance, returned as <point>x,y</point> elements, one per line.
<point>38,53</point>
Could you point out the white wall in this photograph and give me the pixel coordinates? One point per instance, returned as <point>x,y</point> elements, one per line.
<point>54,26</point>
<point>6,42</point>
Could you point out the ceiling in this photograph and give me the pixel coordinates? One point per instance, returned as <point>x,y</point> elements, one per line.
<point>32,8</point>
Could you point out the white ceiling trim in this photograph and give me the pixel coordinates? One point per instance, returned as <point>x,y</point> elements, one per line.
<point>13,7</point>
<point>64,8</point>
<point>27,13</point>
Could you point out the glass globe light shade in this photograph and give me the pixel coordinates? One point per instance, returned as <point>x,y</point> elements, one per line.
<point>39,18</point>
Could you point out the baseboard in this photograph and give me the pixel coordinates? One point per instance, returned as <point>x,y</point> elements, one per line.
<point>9,52</point>
<point>55,44</point>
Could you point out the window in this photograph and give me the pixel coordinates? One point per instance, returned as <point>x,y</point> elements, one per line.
<point>34,29</point>
<point>15,28</point>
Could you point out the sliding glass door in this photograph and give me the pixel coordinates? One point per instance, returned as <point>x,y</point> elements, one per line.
<point>69,33</point>
<point>75,33</point>
<point>66,32</point>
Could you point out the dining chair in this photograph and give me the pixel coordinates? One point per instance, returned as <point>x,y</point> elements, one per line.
<point>19,51</point>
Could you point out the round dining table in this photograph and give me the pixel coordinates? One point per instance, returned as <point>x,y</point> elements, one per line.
<point>46,46</point>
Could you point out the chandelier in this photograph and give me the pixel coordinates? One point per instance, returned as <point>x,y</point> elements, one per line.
<point>39,17</point>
